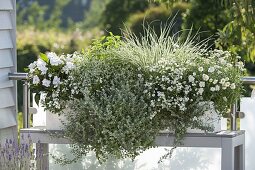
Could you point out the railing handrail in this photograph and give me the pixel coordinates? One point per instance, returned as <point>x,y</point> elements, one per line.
<point>18,76</point>
<point>248,80</point>
<point>26,95</point>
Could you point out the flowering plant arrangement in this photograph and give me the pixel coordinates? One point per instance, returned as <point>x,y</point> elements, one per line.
<point>49,77</point>
<point>19,155</point>
<point>127,90</point>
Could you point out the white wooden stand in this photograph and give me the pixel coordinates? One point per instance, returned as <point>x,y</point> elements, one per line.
<point>231,142</point>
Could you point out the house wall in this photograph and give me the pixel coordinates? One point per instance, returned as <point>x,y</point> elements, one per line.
<point>8,103</point>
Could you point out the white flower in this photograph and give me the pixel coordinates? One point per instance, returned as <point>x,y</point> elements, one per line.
<point>225,99</point>
<point>205,77</point>
<point>54,59</point>
<point>211,69</point>
<point>217,88</point>
<point>46,82</point>
<point>200,91</point>
<point>212,89</point>
<point>202,84</point>
<point>191,78</point>
<point>32,67</point>
<point>215,81</point>
<point>200,69</point>
<point>222,81</point>
<point>36,79</point>
<point>41,66</point>
<point>233,86</point>
<point>227,84</point>
<point>56,80</point>
<point>69,66</point>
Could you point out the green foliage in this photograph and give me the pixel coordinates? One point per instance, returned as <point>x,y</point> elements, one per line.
<point>156,17</point>
<point>35,15</point>
<point>238,36</point>
<point>117,11</point>
<point>94,14</point>
<point>207,18</point>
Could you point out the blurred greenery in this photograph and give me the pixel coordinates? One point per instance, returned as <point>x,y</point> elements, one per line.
<point>65,26</point>
<point>206,18</point>
<point>156,17</point>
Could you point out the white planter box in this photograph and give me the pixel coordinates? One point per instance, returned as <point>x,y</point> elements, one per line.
<point>46,120</point>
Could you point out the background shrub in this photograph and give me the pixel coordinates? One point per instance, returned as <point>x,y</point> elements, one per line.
<point>157,16</point>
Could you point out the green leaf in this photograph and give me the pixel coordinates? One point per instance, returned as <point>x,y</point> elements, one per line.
<point>44,57</point>
<point>37,98</point>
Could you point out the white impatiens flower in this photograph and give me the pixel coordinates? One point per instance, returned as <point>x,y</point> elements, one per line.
<point>32,67</point>
<point>205,77</point>
<point>56,80</point>
<point>202,84</point>
<point>233,86</point>
<point>46,83</point>
<point>211,69</point>
<point>41,65</point>
<point>191,78</point>
<point>54,59</point>
<point>200,69</point>
<point>36,80</point>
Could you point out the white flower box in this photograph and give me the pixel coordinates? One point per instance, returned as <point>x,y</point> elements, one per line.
<point>44,119</point>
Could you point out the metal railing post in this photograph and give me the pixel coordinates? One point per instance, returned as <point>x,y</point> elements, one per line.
<point>26,95</point>
<point>25,105</point>
<point>233,117</point>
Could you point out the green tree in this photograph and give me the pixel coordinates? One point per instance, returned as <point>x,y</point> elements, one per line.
<point>206,18</point>
<point>156,17</point>
<point>117,12</point>
<point>238,36</point>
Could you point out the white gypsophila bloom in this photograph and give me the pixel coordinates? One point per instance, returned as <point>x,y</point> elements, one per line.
<point>202,84</point>
<point>222,61</point>
<point>46,82</point>
<point>191,78</point>
<point>205,77</point>
<point>68,66</point>
<point>233,86</point>
<point>215,81</point>
<point>36,80</point>
<point>200,91</point>
<point>56,80</point>
<point>54,59</point>
<point>217,88</point>
<point>226,84</point>
<point>222,81</point>
<point>212,89</point>
<point>41,65</point>
<point>211,69</point>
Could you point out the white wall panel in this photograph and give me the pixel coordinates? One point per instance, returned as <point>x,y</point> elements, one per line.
<point>5,20</point>
<point>6,59</point>
<point>5,39</point>
<point>6,4</point>
<point>6,98</point>
<point>7,118</point>
<point>4,79</point>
